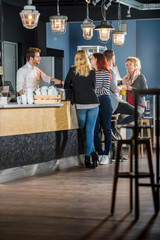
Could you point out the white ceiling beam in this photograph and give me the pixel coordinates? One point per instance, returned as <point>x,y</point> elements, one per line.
<point>138,5</point>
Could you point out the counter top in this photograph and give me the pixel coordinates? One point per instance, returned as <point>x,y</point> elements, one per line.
<point>15,105</point>
<point>35,118</point>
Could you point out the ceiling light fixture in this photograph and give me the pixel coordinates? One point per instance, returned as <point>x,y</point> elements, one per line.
<point>128,12</point>
<point>119,36</point>
<point>103,30</point>
<point>87,26</point>
<point>29,16</point>
<point>58,22</point>
<point>94,2</point>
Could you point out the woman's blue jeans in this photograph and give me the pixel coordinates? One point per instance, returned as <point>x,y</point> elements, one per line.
<point>104,120</point>
<point>87,120</point>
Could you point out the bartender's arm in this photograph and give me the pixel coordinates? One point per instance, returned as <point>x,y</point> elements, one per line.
<point>48,79</point>
<point>57,81</point>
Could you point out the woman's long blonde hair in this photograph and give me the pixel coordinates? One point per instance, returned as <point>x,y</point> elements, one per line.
<point>81,63</point>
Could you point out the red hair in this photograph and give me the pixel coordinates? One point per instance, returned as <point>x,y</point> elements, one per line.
<point>102,63</point>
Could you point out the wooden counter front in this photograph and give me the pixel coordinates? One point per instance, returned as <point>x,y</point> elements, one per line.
<point>15,121</point>
<point>37,134</point>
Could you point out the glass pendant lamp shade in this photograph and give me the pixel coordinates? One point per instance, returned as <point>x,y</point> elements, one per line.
<point>58,22</point>
<point>87,26</point>
<point>118,37</point>
<point>103,31</point>
<point>29,16</point>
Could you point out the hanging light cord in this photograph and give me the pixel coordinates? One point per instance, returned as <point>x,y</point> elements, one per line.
<point>58,8</point>
<point>103,11</point>
<point>29,2</point>
<point>87,11</point>
<point>105,7</point>
<point>119,14</point>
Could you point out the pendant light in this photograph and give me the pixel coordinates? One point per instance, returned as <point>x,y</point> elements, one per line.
<point>29,16</point>
<point>119,36</point>
<point>58,22</point>
<point>87,26</point>
<point>103,30</point>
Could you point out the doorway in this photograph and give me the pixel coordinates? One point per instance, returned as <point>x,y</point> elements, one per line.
<point>10,63</point>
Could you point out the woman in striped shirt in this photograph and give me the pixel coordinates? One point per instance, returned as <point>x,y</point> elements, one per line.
<point>103,79</point>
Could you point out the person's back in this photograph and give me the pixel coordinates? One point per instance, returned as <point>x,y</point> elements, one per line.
<point>81,79</point>
<point>83,86</point>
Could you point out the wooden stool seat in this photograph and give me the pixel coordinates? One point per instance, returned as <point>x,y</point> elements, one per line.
<point>131,174</point>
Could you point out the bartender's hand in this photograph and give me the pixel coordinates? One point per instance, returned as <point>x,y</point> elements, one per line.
<point>21,92</point>
<point>57,81</point>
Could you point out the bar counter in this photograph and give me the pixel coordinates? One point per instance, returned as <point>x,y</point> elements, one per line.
<point>36,137</point>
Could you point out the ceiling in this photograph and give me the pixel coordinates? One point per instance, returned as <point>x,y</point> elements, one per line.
<point>76,9</point>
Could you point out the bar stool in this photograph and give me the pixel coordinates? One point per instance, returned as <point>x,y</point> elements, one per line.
<point>131,174</point>
<point>144,122</point>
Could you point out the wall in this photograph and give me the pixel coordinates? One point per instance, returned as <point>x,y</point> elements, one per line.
<point>142,40</point>
<point>129,47</point>
<point>15,32</point>
<point>60,42</point>
<point>76,39</point>
<point>148,50</point>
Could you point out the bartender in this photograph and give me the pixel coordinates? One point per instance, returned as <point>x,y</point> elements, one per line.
<point>28,76</point>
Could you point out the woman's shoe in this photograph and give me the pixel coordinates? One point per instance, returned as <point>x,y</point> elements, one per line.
<point>94,159</point>
<point>87,162</point>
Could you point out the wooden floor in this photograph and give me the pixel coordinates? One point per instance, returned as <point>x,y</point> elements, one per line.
<point>75,205</point>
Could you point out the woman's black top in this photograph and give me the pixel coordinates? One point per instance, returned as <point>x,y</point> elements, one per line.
<point>83,87</point>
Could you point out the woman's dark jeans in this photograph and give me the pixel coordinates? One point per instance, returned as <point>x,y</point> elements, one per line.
<point>104,120</point>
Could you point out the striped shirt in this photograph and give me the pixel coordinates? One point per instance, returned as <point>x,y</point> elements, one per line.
<point>102,83</point>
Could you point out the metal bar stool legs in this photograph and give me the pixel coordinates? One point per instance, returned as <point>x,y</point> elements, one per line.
<point>115,180</point>
<point>117,174</point>
<point>131,174</point>
<point>148,143</point>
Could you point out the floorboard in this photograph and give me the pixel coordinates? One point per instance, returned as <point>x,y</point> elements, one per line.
<point>75,205</point>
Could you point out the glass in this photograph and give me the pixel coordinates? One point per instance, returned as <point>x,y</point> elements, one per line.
<point>123,91</point>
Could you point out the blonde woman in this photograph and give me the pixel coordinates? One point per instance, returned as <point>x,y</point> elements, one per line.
<point>134,80</point>
<point>81,79</point>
